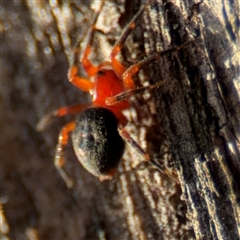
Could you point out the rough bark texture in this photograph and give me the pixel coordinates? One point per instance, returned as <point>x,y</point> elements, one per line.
<point>190,125</point>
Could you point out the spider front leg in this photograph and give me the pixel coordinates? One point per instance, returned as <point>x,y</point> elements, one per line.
<point>82,83</point>
<point>128,81</point>
<point>117,66</point>
<point>59,159</point>
<point>129,73</point>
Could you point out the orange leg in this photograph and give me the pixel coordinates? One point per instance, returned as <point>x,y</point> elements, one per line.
<point>83,83</point>
<point>128,81</point>
<point>59,159</point>
<point>110,101</point>
<point>60,112</point>
<point>117,66</point>
<point>128,74</point>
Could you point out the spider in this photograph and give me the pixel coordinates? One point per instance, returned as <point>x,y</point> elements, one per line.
<point>98,133</point>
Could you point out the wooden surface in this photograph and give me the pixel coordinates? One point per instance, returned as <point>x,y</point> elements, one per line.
<point>190,125</point>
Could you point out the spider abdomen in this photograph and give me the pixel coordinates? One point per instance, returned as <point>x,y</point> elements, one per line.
<point>96,141</point>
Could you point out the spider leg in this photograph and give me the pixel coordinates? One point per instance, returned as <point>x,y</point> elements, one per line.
<point>162,168</point>
<point>127,94</point>
<point>117,66</point>
<point>126,136</point>
<point>128,74</point>
<point>59,159</point>
<point>60,112</point>
<point>129,83</point>
<point>83,83</point>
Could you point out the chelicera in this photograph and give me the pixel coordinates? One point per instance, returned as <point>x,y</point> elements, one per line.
<point>98,133</point>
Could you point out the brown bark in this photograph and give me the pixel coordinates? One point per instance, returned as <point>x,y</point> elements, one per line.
<point>191,124</point>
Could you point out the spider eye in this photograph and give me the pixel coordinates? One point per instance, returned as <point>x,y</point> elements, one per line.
<point>100,73</point>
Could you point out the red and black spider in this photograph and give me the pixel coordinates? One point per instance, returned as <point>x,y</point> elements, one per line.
<point>98,133</point>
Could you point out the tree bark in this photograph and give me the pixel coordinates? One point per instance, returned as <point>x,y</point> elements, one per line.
<point>190,125</point>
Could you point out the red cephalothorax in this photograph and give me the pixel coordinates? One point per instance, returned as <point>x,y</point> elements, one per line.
<point>107,84</point>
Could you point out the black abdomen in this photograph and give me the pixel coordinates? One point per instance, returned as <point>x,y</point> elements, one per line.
<point>96,141</point>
